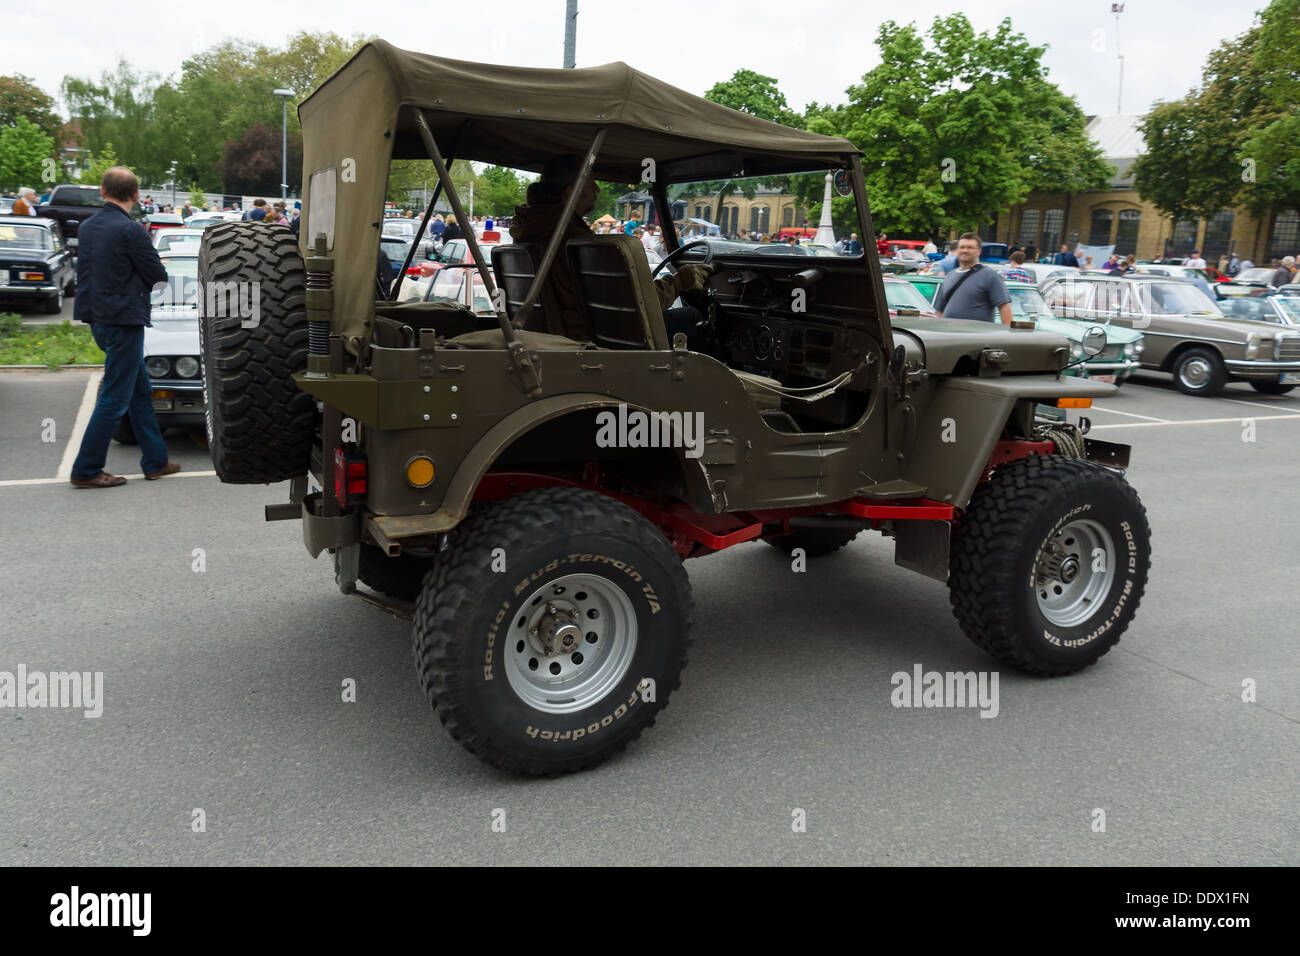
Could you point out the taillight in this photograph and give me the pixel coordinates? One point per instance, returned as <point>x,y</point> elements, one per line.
<point>349,476</point>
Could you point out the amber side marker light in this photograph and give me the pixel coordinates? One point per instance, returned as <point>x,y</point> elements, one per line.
<point>1074,403</point>
<point>420,472</point>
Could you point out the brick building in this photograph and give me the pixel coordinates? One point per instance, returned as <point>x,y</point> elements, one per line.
<point>1118,216</point>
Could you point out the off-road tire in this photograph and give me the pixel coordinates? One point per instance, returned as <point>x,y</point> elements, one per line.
<point>993,579</point>
<point>1271,388</point>
<point>815,542</point>
<point>260,424</point>
<point>470,628</point>
<point>1215,376</point>
<point>399,577</point>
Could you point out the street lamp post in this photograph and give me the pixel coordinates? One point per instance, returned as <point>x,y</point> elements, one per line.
<point>172,171</point>
<point>284,141</point>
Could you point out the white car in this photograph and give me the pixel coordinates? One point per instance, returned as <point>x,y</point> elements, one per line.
<point>171,347</point>
<point>165,240</point>
<point>1039,270</point>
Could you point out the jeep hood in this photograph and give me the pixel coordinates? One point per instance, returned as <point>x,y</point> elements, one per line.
<point>940,344</point>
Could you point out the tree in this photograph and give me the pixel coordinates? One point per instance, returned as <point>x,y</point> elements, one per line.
<point>100,163</point>
<point>955,125</point>
<point>24,149</point>
<point>252,163</point>
<point>500,192</point>
<point>1269,142</point>
<point>121,109</point>
<point>757,95</point>
<point>406,176</point>
<point>221,94</point>
<point>1232,140</point>
<point>20,96</point>
<point>197,198</point>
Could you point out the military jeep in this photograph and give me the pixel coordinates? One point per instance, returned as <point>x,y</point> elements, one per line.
<point>526,490</point>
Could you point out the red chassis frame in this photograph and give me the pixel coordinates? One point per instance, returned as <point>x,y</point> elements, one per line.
<point>692,533</point>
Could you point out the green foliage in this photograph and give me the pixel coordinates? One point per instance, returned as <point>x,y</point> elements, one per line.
<point>99,164</point>
<point>121,109</point>
<point>414,175</point>
<point>757,95</point>
<point>197,199</point>
<point>1241,124</point>
<point>1274,129</point>
<point>955,125</point>
<point>606,204</point>
<point>221,94</point>
<point>19,96</point>
<point>500,189</point>
<point>24,147</point>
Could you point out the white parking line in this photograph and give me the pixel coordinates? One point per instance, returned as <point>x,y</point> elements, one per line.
<point>88,399</point>
<point>1149,418</point>
<point>1269,405</point>
<point>1196,421</point>
<point>55,481</point>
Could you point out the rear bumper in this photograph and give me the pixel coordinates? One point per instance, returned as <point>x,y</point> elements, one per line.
<point>27,291</point>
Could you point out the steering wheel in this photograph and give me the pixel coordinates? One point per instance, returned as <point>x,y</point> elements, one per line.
<point>676,254</point>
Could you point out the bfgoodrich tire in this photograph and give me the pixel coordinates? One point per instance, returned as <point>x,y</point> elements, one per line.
<point>563,658</point>
<point>1048,563</point>
<point>260,424</point>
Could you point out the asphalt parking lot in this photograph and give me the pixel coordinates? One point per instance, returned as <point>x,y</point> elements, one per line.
<point>224,646</point>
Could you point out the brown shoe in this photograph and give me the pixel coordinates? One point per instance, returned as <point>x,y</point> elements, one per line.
<point>169,469</point>
<point>101,480</point>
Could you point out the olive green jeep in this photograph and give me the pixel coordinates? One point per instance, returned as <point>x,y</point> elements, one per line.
<point>525,484</point>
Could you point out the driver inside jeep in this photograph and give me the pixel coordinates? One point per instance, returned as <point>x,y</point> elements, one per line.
<point>537,220</point>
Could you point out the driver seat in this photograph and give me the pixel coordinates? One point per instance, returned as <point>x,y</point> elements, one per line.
<point>616,293</point>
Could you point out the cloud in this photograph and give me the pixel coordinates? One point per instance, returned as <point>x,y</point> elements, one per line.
<point>815,48</point>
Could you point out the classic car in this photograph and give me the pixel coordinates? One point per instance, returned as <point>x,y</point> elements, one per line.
<point>1115,364</point>
<point>1186,333</point>
<point>1279,309</point>
<point>171,348</point>
<point>36,265</point>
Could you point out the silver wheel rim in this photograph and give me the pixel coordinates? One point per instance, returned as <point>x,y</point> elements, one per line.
<point>1073,572</point>
<point>570,643</point>
<point>1195,372</point>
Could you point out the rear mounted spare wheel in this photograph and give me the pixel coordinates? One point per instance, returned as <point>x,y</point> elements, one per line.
<point>252,338</point>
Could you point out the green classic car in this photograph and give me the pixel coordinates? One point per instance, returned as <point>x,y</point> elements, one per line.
<point>1116,362</point>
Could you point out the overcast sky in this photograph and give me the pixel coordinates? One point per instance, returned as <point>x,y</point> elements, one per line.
<point>815,48</point>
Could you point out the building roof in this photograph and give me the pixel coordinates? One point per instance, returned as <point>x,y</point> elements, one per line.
<point>1120,140</point>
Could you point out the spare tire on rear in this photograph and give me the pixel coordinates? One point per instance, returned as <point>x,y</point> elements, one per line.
<point>252,338</point>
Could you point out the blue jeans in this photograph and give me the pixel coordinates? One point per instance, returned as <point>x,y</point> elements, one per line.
<point>126,390</point>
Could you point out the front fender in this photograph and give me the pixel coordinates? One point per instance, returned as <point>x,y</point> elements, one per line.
<point>963,419</point>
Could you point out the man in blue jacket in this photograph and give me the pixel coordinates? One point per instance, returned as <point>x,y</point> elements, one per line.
<point>117,268</point>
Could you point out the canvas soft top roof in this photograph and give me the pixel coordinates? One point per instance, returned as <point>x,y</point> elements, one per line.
<point>363,117</point>
<point>521,116</point>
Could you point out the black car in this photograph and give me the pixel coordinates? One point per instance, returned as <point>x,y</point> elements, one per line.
<point>35,263</point>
